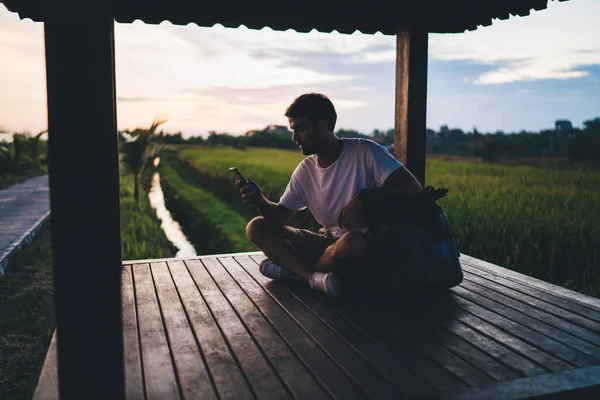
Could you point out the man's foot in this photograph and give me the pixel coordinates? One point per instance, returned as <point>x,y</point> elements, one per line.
<point>326,282</point>
<point>271,270</point>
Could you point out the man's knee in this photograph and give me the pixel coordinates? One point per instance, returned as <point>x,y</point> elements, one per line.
<point>260,228</point>
<point>348,252</point>
<point>354,244</point>
<point>256,228</point>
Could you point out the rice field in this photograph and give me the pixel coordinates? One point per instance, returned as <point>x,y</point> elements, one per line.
<point>541,221</point>
<point>210,224</point>
<point>141,235</point>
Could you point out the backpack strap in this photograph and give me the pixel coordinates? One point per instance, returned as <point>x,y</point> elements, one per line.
<point>431,194</point>
<point>428,194</point>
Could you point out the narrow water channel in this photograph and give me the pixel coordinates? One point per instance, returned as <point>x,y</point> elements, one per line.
<point>171,227</point>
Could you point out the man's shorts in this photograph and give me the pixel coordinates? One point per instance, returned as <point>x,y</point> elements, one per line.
<point>311,245</point>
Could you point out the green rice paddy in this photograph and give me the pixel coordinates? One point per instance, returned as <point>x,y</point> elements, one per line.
<point>541,221</point>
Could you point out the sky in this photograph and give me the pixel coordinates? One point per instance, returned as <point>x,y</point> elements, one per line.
<point>520,73</point>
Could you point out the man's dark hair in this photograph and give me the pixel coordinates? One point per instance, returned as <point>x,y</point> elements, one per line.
<point>314,106</point>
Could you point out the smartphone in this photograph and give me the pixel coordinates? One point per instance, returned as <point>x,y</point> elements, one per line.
<point>239,175</point>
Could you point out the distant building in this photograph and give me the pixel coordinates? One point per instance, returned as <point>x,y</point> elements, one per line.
<point>280,129</point>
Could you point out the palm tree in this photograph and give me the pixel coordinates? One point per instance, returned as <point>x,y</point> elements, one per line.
<point>23,147</point>
<point>139,151</point>
<point>19,142</point>
<point>34,147</point>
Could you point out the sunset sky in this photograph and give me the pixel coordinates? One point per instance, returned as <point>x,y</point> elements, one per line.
<point>522,73</point>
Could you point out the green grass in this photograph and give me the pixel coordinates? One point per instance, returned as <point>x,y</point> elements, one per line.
<point>218,222</point>
<point>26,317</point>
<point>26,293</point>
<point>270,168</point>
<point>540,221</point>
<point>141,235</point>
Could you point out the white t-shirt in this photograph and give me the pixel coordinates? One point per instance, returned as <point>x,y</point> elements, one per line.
<point>363,164</point>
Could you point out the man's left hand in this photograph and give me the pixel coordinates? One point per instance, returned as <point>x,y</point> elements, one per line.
<point>352,215</point>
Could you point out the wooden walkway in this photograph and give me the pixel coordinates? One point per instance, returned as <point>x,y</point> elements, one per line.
<point>23,208</point>
<point>213,327</point>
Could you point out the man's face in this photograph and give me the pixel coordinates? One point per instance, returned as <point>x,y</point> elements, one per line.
<point>305,135</point>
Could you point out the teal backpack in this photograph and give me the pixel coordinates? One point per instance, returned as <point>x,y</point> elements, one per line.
<point>415,248</point>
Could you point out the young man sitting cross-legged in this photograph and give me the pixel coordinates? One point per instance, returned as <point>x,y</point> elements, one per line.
<point>327,181</point>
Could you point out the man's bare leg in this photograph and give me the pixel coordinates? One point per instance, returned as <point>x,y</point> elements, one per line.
<point>270,238</point>
<point>351,251</point>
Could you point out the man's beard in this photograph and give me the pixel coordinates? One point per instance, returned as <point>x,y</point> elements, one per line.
<point>308,150</point>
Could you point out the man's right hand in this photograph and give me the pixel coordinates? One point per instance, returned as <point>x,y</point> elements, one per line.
<point>252,198</point>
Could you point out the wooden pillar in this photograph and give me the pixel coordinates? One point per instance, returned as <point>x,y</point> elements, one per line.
<point>84,200</point>
<point>411,99</point>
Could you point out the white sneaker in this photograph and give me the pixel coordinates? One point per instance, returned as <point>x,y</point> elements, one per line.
<point>271,270</point>
<point>326,282</point>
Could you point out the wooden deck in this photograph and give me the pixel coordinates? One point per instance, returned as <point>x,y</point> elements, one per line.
<point>213,327</point>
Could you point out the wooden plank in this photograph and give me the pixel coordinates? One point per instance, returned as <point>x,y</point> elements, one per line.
<point>423,364</point>
<point>393,367</point>
<point>323,367</point>
<point>134,383</point>
<point>418,324</point>
<point>84,202</point>
<point>577,350</point>
<point>582,383</point>
<point>591,302</point>
<point>227,376</point>
<point>517,332</point>
<point>495,349</point>
<point>500,329</point>
<point>567,309</point>
<point>479,368</point>
<point>411,99</point>
<point>191,371</point>
<point>47,386</point>
<point>479,359</point>
<point>569,334</point>
<point>360,369</point>
<point>296,377</point>
<point>182,259</point>
<point>262,378</point>
<point>159,373</point>
<point>426,367</point>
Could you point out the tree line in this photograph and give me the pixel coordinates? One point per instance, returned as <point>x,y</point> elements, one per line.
<point>578,144</point>
<point>26,151</point>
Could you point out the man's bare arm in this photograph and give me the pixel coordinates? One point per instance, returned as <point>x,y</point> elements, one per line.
<point>275,212</point>
<point>403,181</point>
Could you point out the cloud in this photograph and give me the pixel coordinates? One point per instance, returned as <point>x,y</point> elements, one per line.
<point>233,80</point>
<point>228,80</point>
<point>197,110</point>
<point>237,110</point>
<point>174,57</point>
<point>527,71</point>
<point>141,99</point>
<point>22,74</point>
<point>551,44</point>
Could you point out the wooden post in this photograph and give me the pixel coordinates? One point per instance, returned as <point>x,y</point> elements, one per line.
<point>411,99</point>
<point>84,200</point>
